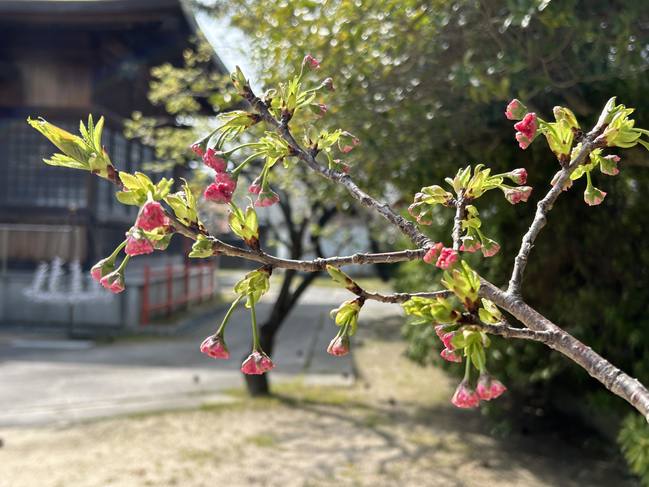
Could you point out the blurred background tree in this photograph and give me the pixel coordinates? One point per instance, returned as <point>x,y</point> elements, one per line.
<point>424,85</point>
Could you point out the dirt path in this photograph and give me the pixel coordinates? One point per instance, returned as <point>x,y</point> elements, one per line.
<point>395,427</point>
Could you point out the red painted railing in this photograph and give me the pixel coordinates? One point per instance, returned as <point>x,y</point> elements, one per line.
<point>160,288</point>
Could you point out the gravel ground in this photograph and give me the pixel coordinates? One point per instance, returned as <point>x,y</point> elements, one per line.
<point>394,427</point>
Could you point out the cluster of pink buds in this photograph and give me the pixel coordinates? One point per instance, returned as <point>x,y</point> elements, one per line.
<point>221,190</point>
<point>257,363</point>
<point>487,389</point>
<point>213,159</point>
<point>526,129</point>
<point>445,256</point>
<point>449,353</point>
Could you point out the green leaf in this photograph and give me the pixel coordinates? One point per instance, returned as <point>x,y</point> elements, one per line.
<point>202,248</point>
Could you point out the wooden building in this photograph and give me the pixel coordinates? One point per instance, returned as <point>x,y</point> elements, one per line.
<point>64,59</point>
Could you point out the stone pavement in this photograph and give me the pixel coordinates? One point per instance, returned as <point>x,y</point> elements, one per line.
<point>50,380</point>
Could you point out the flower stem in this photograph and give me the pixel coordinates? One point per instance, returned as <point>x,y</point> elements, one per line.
<point>253,318</point>
<point>226,318</point>
<point>116,252</point>
<point>237,170</point>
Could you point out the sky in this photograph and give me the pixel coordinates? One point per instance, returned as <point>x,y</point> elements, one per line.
<point>230,44</point>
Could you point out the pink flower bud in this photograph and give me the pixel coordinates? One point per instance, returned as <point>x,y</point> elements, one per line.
<point>447,338</point>
<point>594,196</point>
<point>518,176</point>
<point>221,190</point>
<point>450,355</point>
<point>515,110</point>
<point>212,159</point>
<point>339,346</point>
<point>102,268</point>
<point>329,84</point>
<point>440,331</point>
<point>608,165</point>
<point>433,252</point>
<point>311,61</point>
<point>267,198</point>
<point>257,363</point>
<point>465,397</point>
<point>214,346</point>
<point>527,126</point>
<point>489,388</point>
<point>523,141</point>
<point>323,108</point>
<point>490,248</point>
<point>518,194</point>
<point>470,245</point>
<point>137,244</point>
<point>347,149</point>
<point>198,149</point>
<point>447,258</point>
<point>114,282</point>
<point>151,216</point>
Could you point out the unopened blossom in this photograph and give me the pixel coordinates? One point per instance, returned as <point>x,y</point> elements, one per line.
<point>432,252</point>
<point>527,126</point>
<point>517,194</point>
<point>113,281</point>
<point>214,346</point>
<point>311,61</point>
<point>198,149</point>
<point>212,159</point>
<point>267,198</point>
<point>255,187</point>
<point>489,388</point>
<point>329,84</point>
<point>257,363</point>
<point>594,196</point>
<point>450,355</point>
<point>339,346</point>
<point>608,165</point>
<point>519,176</point>
<point>465,397</point>
<point>447,339</point>
<point>440,331</point>
<point>515,110</point>
<point>102,268</point>
<point>470,245</point>
<point>151,216</point>
<point>137,244</point>
<point>447,258</point>
<point>323,108</point>
<point>221,190</point>
<point>490,248</point>
<point>523,141</point>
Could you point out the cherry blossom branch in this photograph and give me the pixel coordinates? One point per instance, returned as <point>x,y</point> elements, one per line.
<point>460,213</point>
<point>619,383</point>
<point>589,143</point>
<point>309,157</point>
<point>506,331</point>
<point>613,378</point>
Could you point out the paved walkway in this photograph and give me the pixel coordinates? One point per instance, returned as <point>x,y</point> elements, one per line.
<point>45,380</point>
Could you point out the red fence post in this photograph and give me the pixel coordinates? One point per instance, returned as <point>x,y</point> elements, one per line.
<point>144,316</point>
